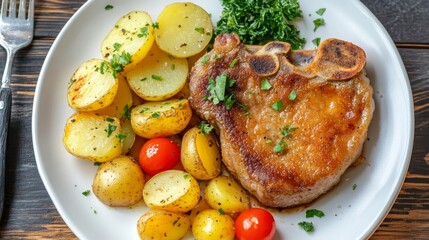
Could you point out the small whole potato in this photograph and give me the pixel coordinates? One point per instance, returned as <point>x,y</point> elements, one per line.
<point>119,183</point>
<point>160,224</point>
<point>225,193</point>
<point>211,224</point>
<point>200,154</point>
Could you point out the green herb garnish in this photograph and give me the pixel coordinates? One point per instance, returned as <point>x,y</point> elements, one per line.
<point>86,193</point>
<point>116,46</point>
<point>280,146</point>
<point>287,131</point>
<point>118,61</point>
<point>110,120</point>
<point>314,213</point>
<point>205,127</point>
<point>156,115</point>
<point>307,226</point>
<point>97,163</point>
<point>265,85</point>
<point>157,77</point>
<point>206,58</point>
<point>317,23</point>
<point>200,30</point>
<point>292,95</point>
<point>321,11</point>
<point>121,137</point>
<point>108,7</point>
<point>110,129</point>
<point>232,64</point>
<point>221,90</point>
<point>316,41</point>
<point>144,32</point>
<point>221,211</point>
<point>354,186</point>
<point>155,25</point>
<point>278,106</point>
<point>258,22</point>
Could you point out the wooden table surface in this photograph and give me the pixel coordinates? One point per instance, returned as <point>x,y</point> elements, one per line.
<point>30,214</point>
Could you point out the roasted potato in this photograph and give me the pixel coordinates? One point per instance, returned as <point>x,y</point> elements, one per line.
<point>127,136</point>
<point>184,29</point>
<point>225,193</point>
<point>172,190</point>
<point>158,76</point>
<point>92,137</point>
<point>213,225</point>
<point>159,224</point>
<point>93,86</point>
<point>119,183</point>
<point>156,119</point>
<point>200,154</point>
<point>122,102</point>
<point>128,41</point>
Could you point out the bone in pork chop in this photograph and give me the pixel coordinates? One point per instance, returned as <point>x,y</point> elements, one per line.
<point>290,153</point>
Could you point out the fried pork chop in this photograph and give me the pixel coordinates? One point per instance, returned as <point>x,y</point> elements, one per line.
<point>290,143</point>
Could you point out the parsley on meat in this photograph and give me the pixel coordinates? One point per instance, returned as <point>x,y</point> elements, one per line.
<point>205,127</point>
<point>258,22</point>
<point>221,90</point>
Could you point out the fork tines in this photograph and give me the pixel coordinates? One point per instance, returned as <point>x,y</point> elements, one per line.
<point>14,9</point>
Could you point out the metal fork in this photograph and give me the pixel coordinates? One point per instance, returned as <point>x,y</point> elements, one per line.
<point>16,32</point>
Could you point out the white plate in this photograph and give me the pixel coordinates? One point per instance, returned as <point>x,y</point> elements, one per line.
<point>351,214</point>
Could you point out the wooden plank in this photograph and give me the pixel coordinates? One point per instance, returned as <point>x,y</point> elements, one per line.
<point>406,21</point>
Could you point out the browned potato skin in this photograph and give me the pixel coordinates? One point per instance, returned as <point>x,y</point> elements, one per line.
<point>92,86</point>
<point>160,224</point>
<point>119,183</point>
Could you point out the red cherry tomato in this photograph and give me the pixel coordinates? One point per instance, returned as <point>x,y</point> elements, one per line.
<point>158,154</point>
<point>255,223</point>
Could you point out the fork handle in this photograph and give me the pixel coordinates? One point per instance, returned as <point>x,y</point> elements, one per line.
<point>5,109</point>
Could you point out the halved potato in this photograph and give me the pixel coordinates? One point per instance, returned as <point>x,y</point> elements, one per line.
<point>172,190</point>
<point>127,135</point>
<point>184,30</point>
<point>93,137</point>
<point>93,86</point>
<point>119,183</point>
<point>129,41</point>
<point>159,224</point>
<point>122,102</point>
<point>200,154</point>
<point>213,225</point>
<point>158,76</point>
<point>225,193</point>
<point>156,119</point>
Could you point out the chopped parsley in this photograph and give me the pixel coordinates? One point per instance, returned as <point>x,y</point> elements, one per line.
<point>265,85</point>
<point>127,112</point>
<point>280,146</point>
<point>217,56</point>
<point>292,95</point>
<point>307,226</point>
<point>206,58</point>
<point>144,32</point>
<point>157,77</point>
<point>186,176</point>
<point>121,137</point>
<point>316,42</point>
<point>221,211</point>
<point>233,62</point>
<point>110,120</point>
<point>287,131</point>
<point>71,81</point>
<point>97,163</point>
<point>116,46</point>
<point>200,30</point>
<point>206,128</point>
<point>278,106</point>
<point>86,193</point>
<point>156,115</point>
<point>118,61</point>
<point>354,186</point>
<point>321,11</point>
<point>314,213</point>
<point>110,129</point>
<point>317,23</point>
<point>108,7</point>
<point>258,22</point>
<point>155,25</point>
<point>144,109</point>
<point>221,90</point>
